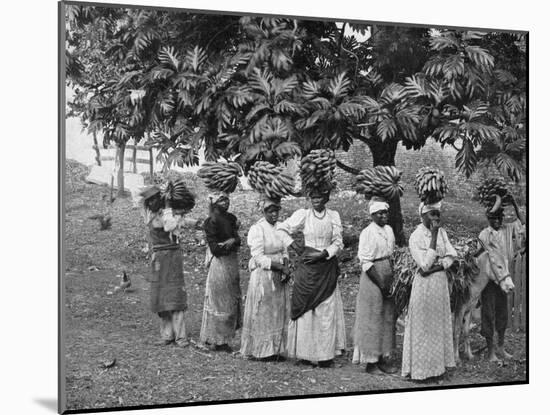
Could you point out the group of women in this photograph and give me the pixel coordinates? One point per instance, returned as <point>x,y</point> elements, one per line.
<point>309,324</point>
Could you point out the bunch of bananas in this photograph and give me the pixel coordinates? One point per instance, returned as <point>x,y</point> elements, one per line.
<point>317,168</point>
<point>179,195</point>
<point>382,181</point>
<point>491,188</point>
<point>430,184</point>
<point>220,176</point>
<point>271,180</point>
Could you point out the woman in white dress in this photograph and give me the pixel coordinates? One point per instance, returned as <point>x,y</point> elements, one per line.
<point>267,307</point>
<point>428,339</point>
<point>316,331</point>
<point>374,329</point>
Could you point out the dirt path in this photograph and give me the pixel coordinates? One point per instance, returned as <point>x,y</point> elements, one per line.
<point>100,327</point>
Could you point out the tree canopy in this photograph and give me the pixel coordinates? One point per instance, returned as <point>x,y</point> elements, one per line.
<point>256,88</point>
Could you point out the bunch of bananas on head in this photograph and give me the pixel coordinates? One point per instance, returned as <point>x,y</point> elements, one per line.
<point>220,175</point>
<point>179,195</point>
<point>381,181</point>
<point>271,180</point>
<point>430,184</point>
<point>490,189</point>
<point>317,169</point>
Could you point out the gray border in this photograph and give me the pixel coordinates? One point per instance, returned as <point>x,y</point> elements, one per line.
<point>314,18</point>
<point>61,380</point>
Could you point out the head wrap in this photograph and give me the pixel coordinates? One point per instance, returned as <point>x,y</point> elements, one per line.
<point>377,206</point>
<point>215,196</point>
<point>149,191</point>
<point>499,213</point>
<point>425,208</point>
<point>266,202</point>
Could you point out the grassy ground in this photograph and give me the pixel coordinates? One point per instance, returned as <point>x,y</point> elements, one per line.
<point>101,327</point>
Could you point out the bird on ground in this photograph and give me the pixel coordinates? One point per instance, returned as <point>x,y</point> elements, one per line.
<point>104,221</point>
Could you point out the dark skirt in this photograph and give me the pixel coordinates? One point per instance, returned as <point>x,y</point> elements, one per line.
<point>167,284</point>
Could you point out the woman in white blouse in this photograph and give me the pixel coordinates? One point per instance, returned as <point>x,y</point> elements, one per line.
<point>316,332</point>
<point>267,307</point>
<point>428,340</point>
<point>374,330</point>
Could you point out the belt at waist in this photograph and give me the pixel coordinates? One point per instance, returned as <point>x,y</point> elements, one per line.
<point>381,259</point>
<point>165,247</point>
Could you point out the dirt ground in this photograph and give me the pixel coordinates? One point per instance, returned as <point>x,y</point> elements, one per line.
<point>101,327</point>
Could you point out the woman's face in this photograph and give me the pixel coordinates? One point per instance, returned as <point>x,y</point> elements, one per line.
<point>271,214</point>
<point>154,203</point>
<point>223,204</point>
<point>318,202</point>
<point>433,216</point>
<point>495,222</point>
<point>380,217</point>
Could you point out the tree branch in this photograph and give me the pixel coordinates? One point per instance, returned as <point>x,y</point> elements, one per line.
<point>347,168</point>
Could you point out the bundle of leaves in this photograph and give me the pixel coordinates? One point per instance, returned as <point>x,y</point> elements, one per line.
<point>404,268</point>
<point>220,176</point>
<point>460,276</point>
<point>270,180</point>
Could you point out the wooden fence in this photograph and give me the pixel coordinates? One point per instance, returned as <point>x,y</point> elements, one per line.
<point>517,301</point>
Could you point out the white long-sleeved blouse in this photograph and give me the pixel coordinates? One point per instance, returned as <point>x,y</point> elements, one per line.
<point>321,230</point>
<point>170,222</point>
<point>265,243</point>
<point>424,256</point>
<point>375,242</point>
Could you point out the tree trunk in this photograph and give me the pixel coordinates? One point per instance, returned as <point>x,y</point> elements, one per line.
<point>96,148</point>
<point>383,154</point>
<point>134,157</point>
<point>120,173</point>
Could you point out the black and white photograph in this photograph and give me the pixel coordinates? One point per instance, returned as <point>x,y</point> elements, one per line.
<point>271,207</point>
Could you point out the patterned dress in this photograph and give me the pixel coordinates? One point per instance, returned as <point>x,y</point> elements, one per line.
<point>222,296</point>
<point>267,307</point>
<point>374,329</point>
<point>428,340</point>
<point>318,334</point>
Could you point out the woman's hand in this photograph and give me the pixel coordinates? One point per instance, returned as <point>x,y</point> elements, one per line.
<point>315,257</point>
<point>228,244</point>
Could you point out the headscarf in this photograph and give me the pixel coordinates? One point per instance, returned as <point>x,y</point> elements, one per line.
<point>498,214</point>
<point>425,208</point>
<point>377,206</point>
<point>215,196</point>
<point>149,192</point>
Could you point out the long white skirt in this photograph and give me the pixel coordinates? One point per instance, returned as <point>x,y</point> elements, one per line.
<point>319,334</point>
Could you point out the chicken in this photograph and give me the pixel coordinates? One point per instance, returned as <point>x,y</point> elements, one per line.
<point>104,221</point>
<point>125,283</point>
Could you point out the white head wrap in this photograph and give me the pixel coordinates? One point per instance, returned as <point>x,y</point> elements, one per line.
<point>376,206</point>
<point>425,208</point>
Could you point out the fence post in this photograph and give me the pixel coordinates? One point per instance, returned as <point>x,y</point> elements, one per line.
<point>134,156</point>
<point>120,181</point>
<point>151,165</point>
<point>96,148</point>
